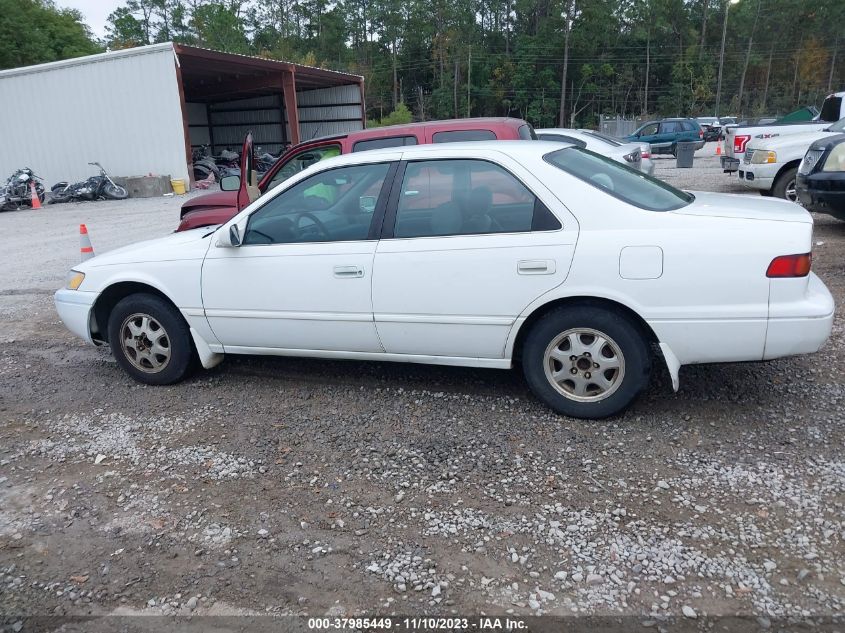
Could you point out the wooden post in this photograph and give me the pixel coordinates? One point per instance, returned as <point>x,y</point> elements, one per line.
<point>289,90</point>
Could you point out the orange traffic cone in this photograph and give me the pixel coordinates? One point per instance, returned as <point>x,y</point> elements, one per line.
<point>718,148</point>
<point>35,201</point>
<point>85,248</point>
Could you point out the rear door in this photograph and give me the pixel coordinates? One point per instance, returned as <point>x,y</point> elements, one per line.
<point>667,135</point>
<point>467,245</point>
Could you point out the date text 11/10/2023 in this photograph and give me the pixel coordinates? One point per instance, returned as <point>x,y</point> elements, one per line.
<point>419,623</point>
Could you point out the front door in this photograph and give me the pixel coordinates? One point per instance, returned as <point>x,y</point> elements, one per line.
<point>301,278</point>
<point>468,246</point>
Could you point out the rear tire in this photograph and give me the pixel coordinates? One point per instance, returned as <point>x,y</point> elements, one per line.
<point>115,192</point>
<point>586,362</point>
<point>150,340</point>
<point>784,186</point>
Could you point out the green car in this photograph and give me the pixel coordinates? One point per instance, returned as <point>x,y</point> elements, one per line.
<point>664,135</point>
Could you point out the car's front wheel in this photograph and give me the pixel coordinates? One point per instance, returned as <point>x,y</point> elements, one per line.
<point>150,340</point>
<point>586,362</point>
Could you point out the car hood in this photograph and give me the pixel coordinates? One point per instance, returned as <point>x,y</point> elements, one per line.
<point>804,139</point>
<point>726,205</point>
<point>213,200</point>
<point>191,244</point>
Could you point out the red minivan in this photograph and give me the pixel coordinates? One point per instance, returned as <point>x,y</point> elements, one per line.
<point>236,193</point>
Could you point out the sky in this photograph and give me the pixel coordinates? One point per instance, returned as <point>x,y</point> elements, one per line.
<point>95,12</point>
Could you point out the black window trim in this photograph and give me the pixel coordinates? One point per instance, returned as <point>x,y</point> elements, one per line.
<point>376,222</point>
<point>389,221</point>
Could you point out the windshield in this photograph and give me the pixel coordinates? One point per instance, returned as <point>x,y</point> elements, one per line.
<point>630,185</point>
<point>604,137</point>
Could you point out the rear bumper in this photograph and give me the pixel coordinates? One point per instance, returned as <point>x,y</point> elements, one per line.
<point>800,327</point>
<point>74,308</point>
<point>729,164</point>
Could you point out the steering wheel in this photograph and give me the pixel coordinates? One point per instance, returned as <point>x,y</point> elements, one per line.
<point>317,223</point>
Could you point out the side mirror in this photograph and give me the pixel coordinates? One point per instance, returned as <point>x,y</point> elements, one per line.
<point>230,183</point>
<point>230,238</point>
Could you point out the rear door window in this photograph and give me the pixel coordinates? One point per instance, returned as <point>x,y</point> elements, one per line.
<point>466,197</point>
<point>527,133</point>
<point>831,109</point>
<point>388,141</point>
<point>669,127</point>
<point>456,136</point>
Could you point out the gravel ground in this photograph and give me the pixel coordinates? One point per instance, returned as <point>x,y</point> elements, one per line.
<point>285,486</point>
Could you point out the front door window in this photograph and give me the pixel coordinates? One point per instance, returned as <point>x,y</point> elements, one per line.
<point>303,160</point>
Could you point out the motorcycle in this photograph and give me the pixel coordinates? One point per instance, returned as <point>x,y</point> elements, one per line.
<point>17,192</point>
<point>94,188</point>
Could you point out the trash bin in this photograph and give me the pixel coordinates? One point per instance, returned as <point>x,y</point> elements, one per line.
<point>685,153</point>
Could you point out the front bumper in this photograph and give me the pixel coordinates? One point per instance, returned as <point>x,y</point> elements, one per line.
<point>800,327</point>
<point>822,194</point>
<point>74,308</point>
<point>757,176</point>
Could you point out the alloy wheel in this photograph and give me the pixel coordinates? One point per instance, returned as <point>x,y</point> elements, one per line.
<point>145,343</point>
<point>584,364</point>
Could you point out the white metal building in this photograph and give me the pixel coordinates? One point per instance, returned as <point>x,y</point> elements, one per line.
<point>142,110</point>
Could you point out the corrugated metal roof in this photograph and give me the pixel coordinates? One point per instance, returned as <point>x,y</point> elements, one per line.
<point>87,59</point>
<point>194,51</point>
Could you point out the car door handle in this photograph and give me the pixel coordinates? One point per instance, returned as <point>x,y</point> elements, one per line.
<point>347,272</point>
<point>535,266</point>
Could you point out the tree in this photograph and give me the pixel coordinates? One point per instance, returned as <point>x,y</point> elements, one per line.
<point>35,31</point>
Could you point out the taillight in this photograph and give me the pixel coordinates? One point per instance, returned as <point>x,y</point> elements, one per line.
<point>701,134</point>
<point>790,266</point>
<point>740,142</point>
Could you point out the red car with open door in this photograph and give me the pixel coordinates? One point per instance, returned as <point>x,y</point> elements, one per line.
<point>236,193</point>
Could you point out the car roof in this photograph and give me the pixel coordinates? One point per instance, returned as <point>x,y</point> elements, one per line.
<point>474,123</point>
<point>478,148</point>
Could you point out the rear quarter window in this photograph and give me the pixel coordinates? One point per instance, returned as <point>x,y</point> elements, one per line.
<point>456,136</point>
<point>527,133</point>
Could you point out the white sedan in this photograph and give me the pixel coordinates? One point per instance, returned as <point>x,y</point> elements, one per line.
<point>635,155</point>
<point>476,254</point>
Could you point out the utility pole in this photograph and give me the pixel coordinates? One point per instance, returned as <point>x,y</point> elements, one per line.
<point>469,76</point>
<point>728,4</point>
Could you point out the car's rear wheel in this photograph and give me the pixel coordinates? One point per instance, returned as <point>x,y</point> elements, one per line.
<point>586,362</point>
<point>784,186</point>
<point>150,340</point>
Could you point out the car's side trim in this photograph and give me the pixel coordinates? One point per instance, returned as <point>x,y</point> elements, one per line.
<point>458,361</point>
<point>445,319</point>
<point>289,315</point>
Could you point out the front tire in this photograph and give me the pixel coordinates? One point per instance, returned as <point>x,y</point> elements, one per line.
<point>586,362</point>
<point>150,340</point>
<point>115,192</point>
<point>784,186</point>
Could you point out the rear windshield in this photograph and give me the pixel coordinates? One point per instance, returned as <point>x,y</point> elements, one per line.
<point>456,136</point>
<point>830,109</point>
<point>630,185</point>
<point>604,137</point>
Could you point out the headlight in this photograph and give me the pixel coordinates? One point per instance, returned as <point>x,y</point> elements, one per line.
<point>74,279</point>
<point>762,156</point>
<point>835,161</point>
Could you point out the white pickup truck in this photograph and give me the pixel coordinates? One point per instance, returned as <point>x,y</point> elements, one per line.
<point>737,138</point>
<point>771,164</point>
